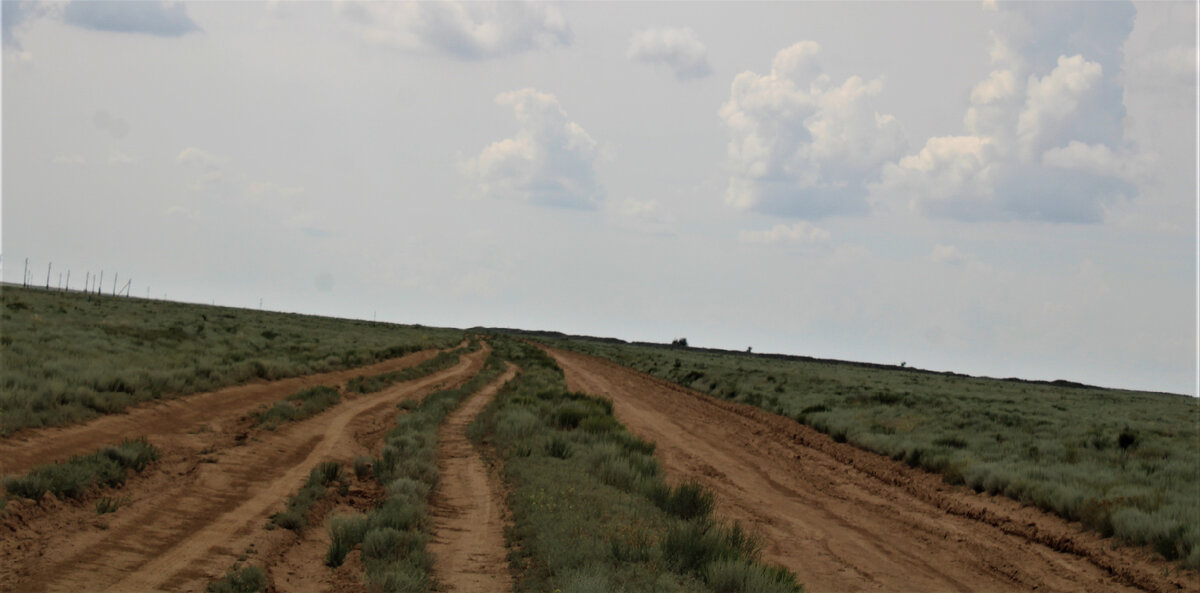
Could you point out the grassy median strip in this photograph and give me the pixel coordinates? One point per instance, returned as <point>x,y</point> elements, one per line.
<point>443,360</point>
<point>298,406</point>
<point>590,510</point>
<point>240,579</point>
<point>79,475</point>
<point>295,517</point>
<point>1122,463</point>
<point>393,536</point>
<point>70,356</point>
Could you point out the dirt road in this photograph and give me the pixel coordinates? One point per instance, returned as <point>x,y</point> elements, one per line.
<point>847,520</point>
<point>197,511</point>
<point>217,409</point>
<point>468,525</point>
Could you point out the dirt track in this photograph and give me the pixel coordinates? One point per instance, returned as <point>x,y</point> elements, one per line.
<point>848,520</point>
<point>468,536</point>
<point>170,417</point>
<point>204,505</point>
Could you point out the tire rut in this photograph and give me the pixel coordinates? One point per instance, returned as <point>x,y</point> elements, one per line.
<point>185,525</point>
<point>468,536</point>
<point>831,513</point>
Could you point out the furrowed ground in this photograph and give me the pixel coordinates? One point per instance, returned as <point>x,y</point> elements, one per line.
<point>503,465</point>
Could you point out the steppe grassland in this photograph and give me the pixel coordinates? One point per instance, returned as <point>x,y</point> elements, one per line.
<point>66,356</point>
<point>1123,463</point>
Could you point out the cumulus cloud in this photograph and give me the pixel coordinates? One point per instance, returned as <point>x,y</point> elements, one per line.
<point>1043,130</point>
<point>677,48</point>
<point>802,145</point>
<point>207,166</point>
<point>799,233</point>
<point>465,30</point>
<point>163,19</point>
<point>549,162</point>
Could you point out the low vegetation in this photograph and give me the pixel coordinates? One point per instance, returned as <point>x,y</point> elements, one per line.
<point>78,476</point>
<point>248,579</point>
<point>393,536</point>
<point>295,517</point>
<point>298,406</point>
<point>589,507</point>
<point>70,356</point>
<point>381,381</point>
<point>1122,463</point>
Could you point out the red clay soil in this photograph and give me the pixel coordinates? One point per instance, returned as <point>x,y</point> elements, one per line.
<point>468,525</point>
<point>217,409</point>
<point>203,506</point>
<point>844,519</point>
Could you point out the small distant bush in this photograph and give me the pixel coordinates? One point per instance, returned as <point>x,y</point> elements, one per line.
<point>687,501</point>
<point>558,448</point>
<point>250,579</point>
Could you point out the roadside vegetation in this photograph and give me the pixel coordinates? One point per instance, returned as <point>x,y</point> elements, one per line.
<point>295,517</point>
<point>69,356</point>
<point>393,536</point>
<point>381,381</point>
<point>80,475</point>
<point>1122,463</point>
<point>298,406</point>
<point>240,579</point>
<point>590,509</point>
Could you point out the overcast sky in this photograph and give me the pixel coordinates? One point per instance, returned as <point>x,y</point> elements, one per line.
<point>1006,190</point>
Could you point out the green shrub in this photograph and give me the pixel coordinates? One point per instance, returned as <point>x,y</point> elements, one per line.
<point>688,500</point>
<point>250,579</point>
<point>690,546</point>
<point>558,448</point>
<point>75,477</point>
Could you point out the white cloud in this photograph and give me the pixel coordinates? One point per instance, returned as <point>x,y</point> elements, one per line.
<point>1096,159</point>
<point>266,188</point>
<point>1053,98</point>
<point>801,145</point>
<point>1043,135</point>
<point>466,30</point>
<point>162,19</point>
<point>679,49</point>
<point>799,233</point>
<point>549,162</point>
<point>208,166</point>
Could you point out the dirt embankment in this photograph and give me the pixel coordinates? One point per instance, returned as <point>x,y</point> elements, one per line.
<point>204,505</point>
<point>218,410</point>
<point>468,538</point>
<point>845,519</point>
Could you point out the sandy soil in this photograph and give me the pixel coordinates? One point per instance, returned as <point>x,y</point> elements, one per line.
<point>468,525</point>
<point>202,507</point>
<point>848,520</point>
<point>168,417</point>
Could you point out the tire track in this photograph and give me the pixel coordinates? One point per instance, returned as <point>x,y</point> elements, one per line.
<point>468,536</point>
<point>840,528</point>
<point>181,530</point>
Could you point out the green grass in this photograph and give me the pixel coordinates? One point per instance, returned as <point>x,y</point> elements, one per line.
<point>67,357</point>
<point>250,579</point>
<point>394,535</point>
<point>298,406</point>
<point>295,517</point>
<point>1123,463</point>
<point>76,477</point>
<point>590,510</point>
<point>381,381</point>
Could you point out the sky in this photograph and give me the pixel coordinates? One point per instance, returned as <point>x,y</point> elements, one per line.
<point>996,189</point>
